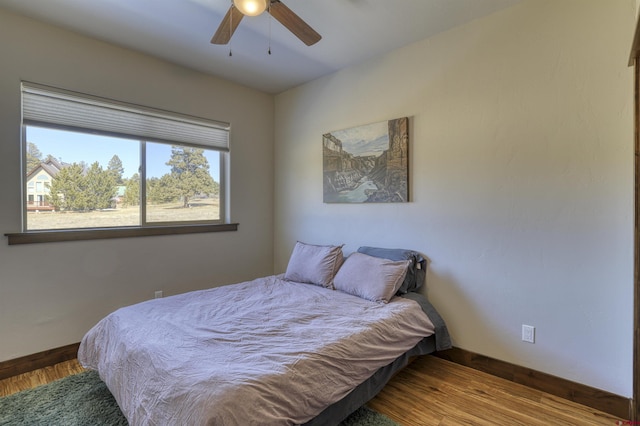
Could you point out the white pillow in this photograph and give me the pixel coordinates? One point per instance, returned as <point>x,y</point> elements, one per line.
<point>314,264</point>
<point>372,278</point>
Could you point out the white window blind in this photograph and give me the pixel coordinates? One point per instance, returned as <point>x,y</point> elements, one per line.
<point>43,105</point>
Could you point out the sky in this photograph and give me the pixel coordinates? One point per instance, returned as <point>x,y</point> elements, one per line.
<point>74,147</point>
<point>370,139</point>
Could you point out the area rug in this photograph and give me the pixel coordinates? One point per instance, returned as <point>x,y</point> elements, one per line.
<point>84,400</point>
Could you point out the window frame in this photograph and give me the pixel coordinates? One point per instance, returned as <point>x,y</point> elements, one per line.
<point>144,223</point>
<point>144,228</point>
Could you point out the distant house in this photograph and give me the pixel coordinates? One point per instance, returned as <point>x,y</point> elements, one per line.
<point>117,199</point>
<point>38,181</point>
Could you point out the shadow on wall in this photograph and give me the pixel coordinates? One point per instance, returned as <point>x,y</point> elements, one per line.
<point>465,321</point>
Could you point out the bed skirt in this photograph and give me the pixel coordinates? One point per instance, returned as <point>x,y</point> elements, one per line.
<point>338,411</point>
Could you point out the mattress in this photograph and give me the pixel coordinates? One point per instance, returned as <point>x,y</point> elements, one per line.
<point>266,351</point>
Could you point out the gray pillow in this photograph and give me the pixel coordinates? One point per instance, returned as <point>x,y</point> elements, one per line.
<point>372,278</point>
<point>417,269</point>
<point>314,264</point>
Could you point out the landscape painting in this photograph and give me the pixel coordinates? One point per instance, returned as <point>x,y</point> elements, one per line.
<point>367,164</point>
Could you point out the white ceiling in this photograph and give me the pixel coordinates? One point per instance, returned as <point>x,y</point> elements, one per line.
<point>180,30</point>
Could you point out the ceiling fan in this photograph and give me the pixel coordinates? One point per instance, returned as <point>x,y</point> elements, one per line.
<point>277,9</point>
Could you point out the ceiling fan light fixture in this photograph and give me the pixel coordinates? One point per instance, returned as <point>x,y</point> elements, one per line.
<point>251,7</point>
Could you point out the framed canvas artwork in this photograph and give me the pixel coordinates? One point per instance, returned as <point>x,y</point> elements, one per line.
<point>367,164</point>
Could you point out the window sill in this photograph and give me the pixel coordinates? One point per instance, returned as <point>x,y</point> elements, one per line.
<point>35,237</point>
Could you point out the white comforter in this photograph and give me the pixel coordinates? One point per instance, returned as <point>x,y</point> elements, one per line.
<point>264,352</point>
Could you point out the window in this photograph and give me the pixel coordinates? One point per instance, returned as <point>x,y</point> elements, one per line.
<point>95,163</point>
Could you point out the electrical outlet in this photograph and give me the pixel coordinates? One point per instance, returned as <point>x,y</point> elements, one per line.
<point>528,333</point>
<point>158,294</point>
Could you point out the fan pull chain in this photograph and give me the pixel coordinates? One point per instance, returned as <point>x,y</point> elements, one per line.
<point>270,18</point>
<point>230,29</point>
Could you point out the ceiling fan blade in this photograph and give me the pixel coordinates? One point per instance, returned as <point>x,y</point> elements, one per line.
<point>227,26</point>
<point>294,23</point>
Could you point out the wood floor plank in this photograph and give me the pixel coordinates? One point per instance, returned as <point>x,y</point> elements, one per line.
<point>435,391</point>
<point>475,400</point>
<point>39,377</point>
<point>490,393</point>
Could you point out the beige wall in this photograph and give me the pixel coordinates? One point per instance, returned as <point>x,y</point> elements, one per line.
<point>51,294</point>
<point>521,180</point>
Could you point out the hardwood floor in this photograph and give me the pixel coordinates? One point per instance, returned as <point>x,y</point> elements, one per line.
<point>430,391</point>
<point>39,377</point>
<point>434,391</point>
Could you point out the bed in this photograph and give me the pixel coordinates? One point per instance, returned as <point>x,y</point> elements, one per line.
<point>306,347</point>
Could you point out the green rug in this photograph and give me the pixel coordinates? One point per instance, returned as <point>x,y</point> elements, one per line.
<point>84,400</point>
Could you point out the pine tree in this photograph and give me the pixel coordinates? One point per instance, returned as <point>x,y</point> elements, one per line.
<point>68,189</point>
<point>162,190</point>
<point>34,156</point>
<point>115,167</point>
<point>190,173</point>
<point>100,187</point>
<point>132,191</point>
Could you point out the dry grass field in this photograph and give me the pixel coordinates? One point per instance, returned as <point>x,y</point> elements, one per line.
<point>200,210</point>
